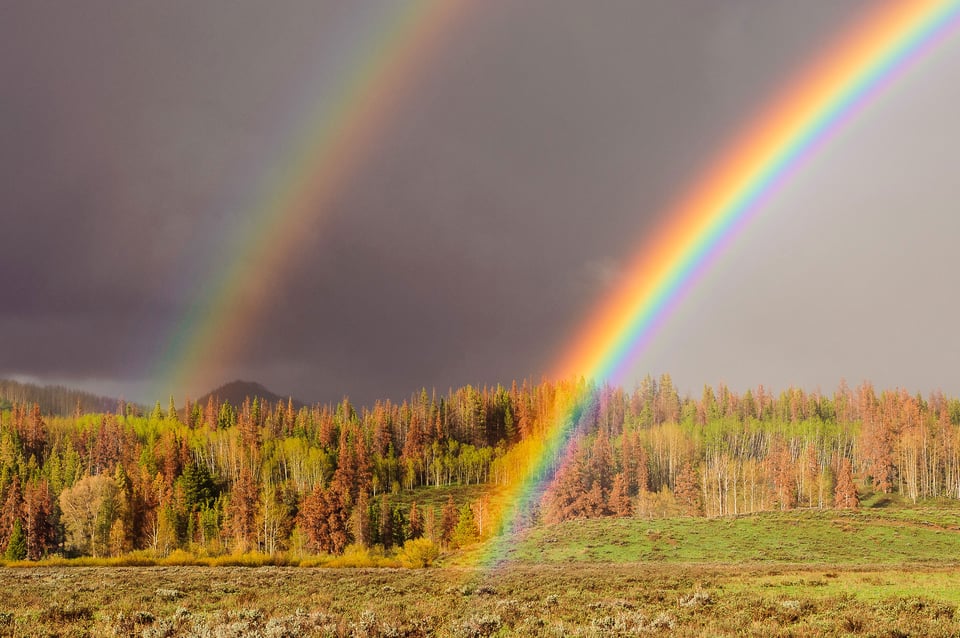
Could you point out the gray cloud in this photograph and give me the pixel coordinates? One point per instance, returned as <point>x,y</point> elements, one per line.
<point>534,153</point>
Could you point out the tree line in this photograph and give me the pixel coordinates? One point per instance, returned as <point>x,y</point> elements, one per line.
<point>53,399</point>
<point>221,478</point>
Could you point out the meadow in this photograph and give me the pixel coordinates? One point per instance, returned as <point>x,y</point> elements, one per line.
<point>872,572</point>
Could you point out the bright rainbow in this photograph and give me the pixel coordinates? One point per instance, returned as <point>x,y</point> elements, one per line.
<point>863,61</point>
<point>336,139</point>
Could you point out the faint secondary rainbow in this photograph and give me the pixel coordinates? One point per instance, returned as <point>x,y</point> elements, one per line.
<point>336,138</point>
<point>716,207</point>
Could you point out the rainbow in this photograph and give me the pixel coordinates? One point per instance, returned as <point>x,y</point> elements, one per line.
<point>864,60</point>
<point>337,136</point>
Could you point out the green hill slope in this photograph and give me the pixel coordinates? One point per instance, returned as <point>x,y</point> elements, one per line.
<point>813,537</point>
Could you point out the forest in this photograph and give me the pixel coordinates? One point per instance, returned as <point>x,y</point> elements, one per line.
<point>52,399</point>
<point>216,478</point>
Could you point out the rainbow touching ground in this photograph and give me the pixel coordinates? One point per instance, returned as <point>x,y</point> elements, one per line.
<point>717,205</point>
<point>708,216</point>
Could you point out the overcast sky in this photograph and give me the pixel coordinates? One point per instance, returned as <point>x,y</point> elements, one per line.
<point>536,150</point>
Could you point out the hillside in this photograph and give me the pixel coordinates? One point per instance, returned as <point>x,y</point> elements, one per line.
<point>237,391</point>
<point>54,399</point>
<point>922,535</point>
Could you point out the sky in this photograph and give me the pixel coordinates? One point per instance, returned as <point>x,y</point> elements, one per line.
<point>529,156</point>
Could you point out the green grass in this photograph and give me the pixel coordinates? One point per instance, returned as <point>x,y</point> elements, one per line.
<point>436,497</point>
<point>866,584</point>
<point>866,537</point>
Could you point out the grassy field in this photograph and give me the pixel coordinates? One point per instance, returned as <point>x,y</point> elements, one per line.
<point>529,600</point>
<point>811,537</point>
<point>876,572</point>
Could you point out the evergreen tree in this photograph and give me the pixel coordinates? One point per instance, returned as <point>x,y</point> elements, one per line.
<point>227,418</point>
<point>593,504</point>
<point>199,489</point>
<point>34,435</point>
<point>430,529</point>
<point>196,415</point>
<point>784,474</point>
<point>313,520</point>
<point>415,522</point>
<point>324,521</point>
<point>448,521</point>
<point>386,523</point>
<point>360,521</point>
<point>242,510</point>
<point>600,467</point>
<point>39,513</point>
<point>12,509</point>
<point>399,526</point>
<point>337,522</point>
<point>465,532</point>
<point>210,413</point>
<point>845,495</point>
<point>566,496</point>
<point>687,490</point>
<point>121,530</point>
<point>17,545</point>
<point>620,503</point>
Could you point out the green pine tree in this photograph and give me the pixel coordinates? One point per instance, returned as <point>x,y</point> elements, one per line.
<point>17,547</point>
<point>172,409</point>
<point>465,533</point>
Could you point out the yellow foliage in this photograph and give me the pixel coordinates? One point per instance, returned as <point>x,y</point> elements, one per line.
<point>179,557</point>
<point>252,559</point>
<point>354,556</point>
<point>418,553</point>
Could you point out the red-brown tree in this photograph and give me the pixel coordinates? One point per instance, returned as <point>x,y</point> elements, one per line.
<point>845,493</point>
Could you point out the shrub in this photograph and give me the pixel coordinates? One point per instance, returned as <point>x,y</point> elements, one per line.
<point>251,559</point>
<point>353,556</point>
<point>853,624</point>
<point>480,626</point>
<point>418,553</point>
<point>57,614</point>
<point>135,559</point>
<point>168,594</point>
<point>696,599</point>
<point>663,621</point>
<point>179,558</point>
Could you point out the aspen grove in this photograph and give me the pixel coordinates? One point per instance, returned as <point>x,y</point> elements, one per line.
<point>218,478</point>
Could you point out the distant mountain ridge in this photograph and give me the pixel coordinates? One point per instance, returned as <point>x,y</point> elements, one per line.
<point>236,392</point>
<point>63,401</point>
<point>55,399</point>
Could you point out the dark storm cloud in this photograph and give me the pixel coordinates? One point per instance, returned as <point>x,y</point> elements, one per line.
<point>526,169</point>
<point>533,154</point>
<point>124,126</point>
